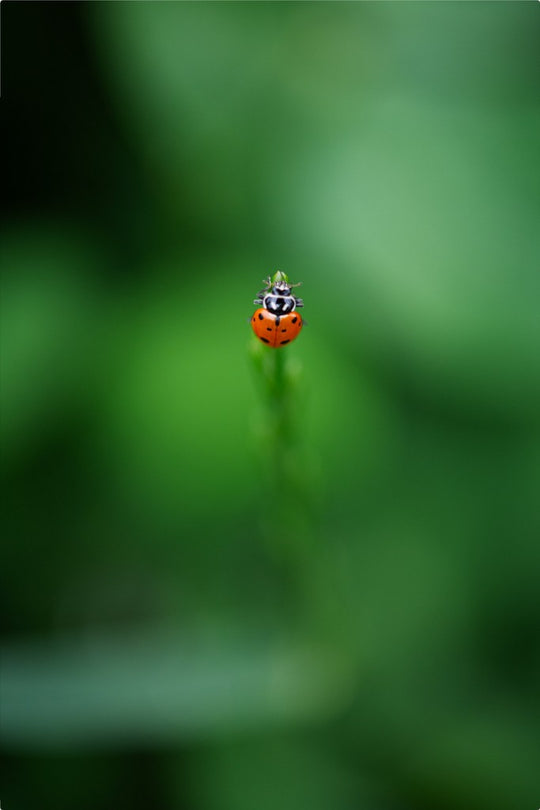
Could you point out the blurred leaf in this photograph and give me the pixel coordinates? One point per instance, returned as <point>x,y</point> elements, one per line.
<point>122,690</point>
<point>431,216</point>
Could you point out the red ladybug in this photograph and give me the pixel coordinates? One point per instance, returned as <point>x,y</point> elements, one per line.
<point>277,322</point>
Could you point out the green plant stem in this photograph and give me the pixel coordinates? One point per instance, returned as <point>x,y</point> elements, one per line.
<point>286,515</point>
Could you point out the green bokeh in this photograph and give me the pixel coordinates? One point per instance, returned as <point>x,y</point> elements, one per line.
<point>181,629</point>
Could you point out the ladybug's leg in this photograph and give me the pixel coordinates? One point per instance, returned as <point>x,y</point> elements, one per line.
<point>268,282</point>
<point>299,302</point>
<point>298,284</point>
<point>259,301</point>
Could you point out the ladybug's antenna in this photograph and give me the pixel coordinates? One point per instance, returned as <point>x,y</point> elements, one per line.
<point>298,284</point>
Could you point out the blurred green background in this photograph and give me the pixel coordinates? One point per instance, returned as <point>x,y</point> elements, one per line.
<point>173,636</point>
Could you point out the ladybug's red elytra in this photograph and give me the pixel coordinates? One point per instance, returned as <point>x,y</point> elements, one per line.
<point>277,322</point>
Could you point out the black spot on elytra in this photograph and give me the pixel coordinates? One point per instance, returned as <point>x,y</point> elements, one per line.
<point>264,340</point>
<point>261,316</point>
<point>283,342</point>
<point>294,319</point>
<point>283,330</point>
<point>278,319</point>
<point>268,328</point>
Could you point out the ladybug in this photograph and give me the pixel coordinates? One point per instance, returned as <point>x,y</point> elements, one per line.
<point>277,322</point>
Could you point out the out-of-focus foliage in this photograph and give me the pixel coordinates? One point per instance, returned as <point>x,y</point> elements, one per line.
<point>174,636</point>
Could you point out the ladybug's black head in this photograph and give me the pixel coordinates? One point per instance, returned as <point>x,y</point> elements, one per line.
<point>281,288</point>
